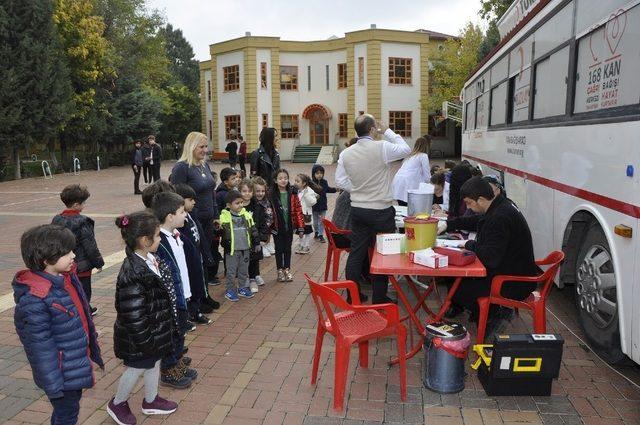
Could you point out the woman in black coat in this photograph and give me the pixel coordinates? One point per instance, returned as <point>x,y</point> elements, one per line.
<point>265,160</point>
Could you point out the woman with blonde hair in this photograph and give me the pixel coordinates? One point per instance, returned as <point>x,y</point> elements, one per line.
<point>414,170</point>
<point>193,170</point>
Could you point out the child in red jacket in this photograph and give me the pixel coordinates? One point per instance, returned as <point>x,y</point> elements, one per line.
<point>287,220</point>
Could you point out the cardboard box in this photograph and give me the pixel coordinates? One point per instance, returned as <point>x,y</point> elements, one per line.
<point>390,243</point>
<point>427,257</point>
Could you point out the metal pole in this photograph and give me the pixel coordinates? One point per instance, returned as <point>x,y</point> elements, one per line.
<point>98,162</point>
<point>76,166</point>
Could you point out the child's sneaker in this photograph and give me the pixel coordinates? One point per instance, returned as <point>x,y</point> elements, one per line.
<point>175,378</point>
<point>245,292</point>
<point>299,250</point>
<point>253,285</point>
<point>159,406</point>
<point>288,276</point>
<point>121,413</point>
<point>259,280</point>
<point>281,276</point>
<point>232,296</point>
<point>306,250</point>
<point>321,239</point>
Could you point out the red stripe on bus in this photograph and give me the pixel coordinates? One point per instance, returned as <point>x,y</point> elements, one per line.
<point>614,204</point>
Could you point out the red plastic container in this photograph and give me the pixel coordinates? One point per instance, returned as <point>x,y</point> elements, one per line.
<point>457,257</point>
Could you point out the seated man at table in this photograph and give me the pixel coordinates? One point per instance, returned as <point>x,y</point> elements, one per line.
<point>503,244</point>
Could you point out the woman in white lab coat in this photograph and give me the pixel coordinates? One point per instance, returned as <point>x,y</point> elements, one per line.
<point>414,170</point>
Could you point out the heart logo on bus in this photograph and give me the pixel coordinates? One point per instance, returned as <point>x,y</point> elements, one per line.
<point>594,56</point>
<point>615,29</point>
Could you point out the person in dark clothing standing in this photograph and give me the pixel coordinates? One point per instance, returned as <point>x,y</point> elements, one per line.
<point>320,207</point>
<point>146,155</point>
<point>232,150</point>
<point>136,166</point>
<point>265,160</point>
<point>503,244</point>
<point>176,150</point>
<point>88,255</point>
<point>155,158</point>
<point>242,154</point>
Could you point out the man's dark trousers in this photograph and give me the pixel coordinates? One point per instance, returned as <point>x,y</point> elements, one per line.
<point>155,171</point>
<point>365,225</point>
<point>136,180</point>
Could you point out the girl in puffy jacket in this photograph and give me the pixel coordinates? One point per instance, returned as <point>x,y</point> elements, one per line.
<point>146,317</point>
<point>308,195</point>
<point>287,220</point>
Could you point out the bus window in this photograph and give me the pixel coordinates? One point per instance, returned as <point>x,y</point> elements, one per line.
<point>499,104</point>
<point>482,111</point>
<point>471,116</point>
<point>519,89</point>
<point>609,64</point>
<point>554,32</point>
<point>500,70</point>
<point>589,12</point>
<point>551,85</point>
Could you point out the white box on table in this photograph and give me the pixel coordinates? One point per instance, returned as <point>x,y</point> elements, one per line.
<point>427,257</point>
<point>390,243</point>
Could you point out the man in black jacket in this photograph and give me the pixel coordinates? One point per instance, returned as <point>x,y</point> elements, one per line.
<point>503,244</point>
<point>155,159</point>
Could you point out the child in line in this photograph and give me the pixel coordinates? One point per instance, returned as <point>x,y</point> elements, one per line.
<point>88,255</point>
<point>263,217</point>
<point>229,181</point>
<point>53,320</point>
<point>239,238</point>
<point>320,208</point>
<point>257,213</point>
<point>168,207</point>
<point>308,198</point>
<point>152,190</point>
<point>287,219</point>
<point>145,321</point>
<point>190,235</point>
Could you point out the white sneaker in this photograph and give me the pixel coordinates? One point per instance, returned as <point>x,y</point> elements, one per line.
<point>306,250</point>
<point>259,280</point>
<point>253,285</point>
<point>303,250</point>
<point>299,250</point>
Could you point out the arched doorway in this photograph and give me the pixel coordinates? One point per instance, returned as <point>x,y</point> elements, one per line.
<point>318,116</point>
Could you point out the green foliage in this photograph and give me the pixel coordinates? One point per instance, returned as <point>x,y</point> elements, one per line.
<point>452,66</point>
<point>184,68</point>
<point>35,88</point>
<point>181,114</point>
<point>492,10</point>
<point>491,40</point>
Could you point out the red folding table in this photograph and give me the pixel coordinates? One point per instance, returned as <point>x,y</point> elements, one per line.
<point>399,264</point>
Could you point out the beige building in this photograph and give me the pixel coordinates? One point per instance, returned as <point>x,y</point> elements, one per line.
<point>311,91</point>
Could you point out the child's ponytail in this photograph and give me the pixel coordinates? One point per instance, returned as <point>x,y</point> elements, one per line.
<point>136,225</point>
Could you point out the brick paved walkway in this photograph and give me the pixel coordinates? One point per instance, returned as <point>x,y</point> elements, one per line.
<point>254,361</point>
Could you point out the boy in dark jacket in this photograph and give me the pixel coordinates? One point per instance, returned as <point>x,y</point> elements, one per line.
<point>192,234</point>
<point>229,181</point>
<point>88,255</point>
<point>503,244</point>
<point>53,320</point>
<point>320,208</point>
<point>168,207</point>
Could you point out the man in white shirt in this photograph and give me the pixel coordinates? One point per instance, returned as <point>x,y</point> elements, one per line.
<point>364,170</point>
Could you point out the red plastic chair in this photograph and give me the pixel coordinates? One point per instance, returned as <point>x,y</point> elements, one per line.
<point>536,302</point>
<point>333,252</point>
<point>353,324</point>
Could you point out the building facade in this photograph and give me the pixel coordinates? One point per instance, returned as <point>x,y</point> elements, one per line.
<point>311,92</point>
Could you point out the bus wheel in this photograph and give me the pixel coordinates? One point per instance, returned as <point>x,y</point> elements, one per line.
<point>595,292</point>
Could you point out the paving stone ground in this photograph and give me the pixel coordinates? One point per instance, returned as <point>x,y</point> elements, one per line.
<point>254,361</point>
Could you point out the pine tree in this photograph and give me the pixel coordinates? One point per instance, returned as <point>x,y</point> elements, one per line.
<point>33,74</point>
<point>182,65</point>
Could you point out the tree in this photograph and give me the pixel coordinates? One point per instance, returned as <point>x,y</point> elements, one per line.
<point>182,65</point>
<point>492,10</point>
<point>181,114</point>
<point>35,95</point>
<point>452,66</point>
<point>87,51</point>
<point>491,40</point>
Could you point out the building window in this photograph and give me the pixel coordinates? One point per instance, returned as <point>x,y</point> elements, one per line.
<point>361,71</point>
<point>342,125</point>
<point>342,75</point>
<point>309,78</point>
<point>231,77</point>
<point>399,70</point>
<point>231,122</point>
<point>265,120</point>
<point>263,75</point>
<point>400,122</point>
<point>288,78</point>
<point>289,126</point>
<point>208,90</point>
<point>210,129</point>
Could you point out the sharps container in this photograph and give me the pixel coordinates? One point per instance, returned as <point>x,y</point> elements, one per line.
<point>445,352</point>
<point>421,232</point>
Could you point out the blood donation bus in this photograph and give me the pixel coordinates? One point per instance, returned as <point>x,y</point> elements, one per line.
<point>554,111</point>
